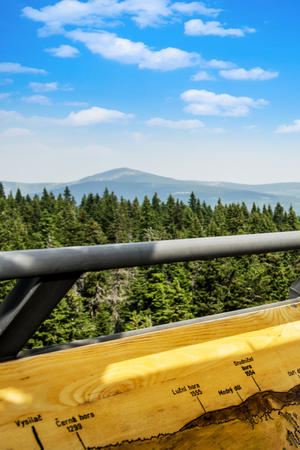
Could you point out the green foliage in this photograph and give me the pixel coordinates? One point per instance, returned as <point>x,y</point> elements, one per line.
<point>125,299</point>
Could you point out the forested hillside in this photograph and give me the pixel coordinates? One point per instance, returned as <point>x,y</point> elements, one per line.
<point>125,299</point>
<point>131,183</point>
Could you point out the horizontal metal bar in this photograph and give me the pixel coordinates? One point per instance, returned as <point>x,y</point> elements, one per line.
<point>52,261</point>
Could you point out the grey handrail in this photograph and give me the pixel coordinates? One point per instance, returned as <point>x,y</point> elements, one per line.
<point>63,260</point>
<point>46,275</point>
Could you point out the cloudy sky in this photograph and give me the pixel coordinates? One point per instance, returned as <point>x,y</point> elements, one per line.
<point>187,89</point>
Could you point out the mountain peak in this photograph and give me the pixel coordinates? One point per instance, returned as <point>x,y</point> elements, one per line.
<point>112,174</point>
<point>124,174</point>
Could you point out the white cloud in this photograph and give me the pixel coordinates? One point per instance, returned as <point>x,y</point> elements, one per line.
<point>85,117</point>
<point>95,13</point>
<point>82,21</point>
<point>145,13</point>
<point>93,116</point>
<point>257,73</point>
<point>110,46</point>
<point>7,67</point>
<point>38,99</point>
<point>175,124</point>
<point>49,87</point>
<point>14,132</point>
<point>294,127</point>
<point>44,87</point>
<point>64,51</point>
<point>202,76</point>
<point>202,102</point>
<point>4,95</point>
<point>219,64</point>
<point>6,81</point>
<point>196,27</point>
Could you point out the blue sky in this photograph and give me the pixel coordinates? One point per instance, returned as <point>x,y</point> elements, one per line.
<point>187,89</point>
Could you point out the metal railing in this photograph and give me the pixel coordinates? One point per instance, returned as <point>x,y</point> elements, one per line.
<point>46,275</point>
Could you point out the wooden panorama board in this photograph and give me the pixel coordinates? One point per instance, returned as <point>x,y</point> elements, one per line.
<point>232,383</point>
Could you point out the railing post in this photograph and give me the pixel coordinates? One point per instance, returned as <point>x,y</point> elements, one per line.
<point>26,307</point>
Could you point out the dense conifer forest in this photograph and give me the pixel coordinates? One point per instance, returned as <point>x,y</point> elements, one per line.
<point>126,299</point>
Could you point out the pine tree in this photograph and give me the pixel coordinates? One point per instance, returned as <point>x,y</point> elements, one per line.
<point>278,216</point>
<point>19,197</point>
<point>67,194</point>
<point>293,222</point>
<point>2,192</point>
<point>192,202</point>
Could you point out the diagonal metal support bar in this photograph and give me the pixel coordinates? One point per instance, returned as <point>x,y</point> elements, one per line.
<point>295,289</point>
<point>27,306</point>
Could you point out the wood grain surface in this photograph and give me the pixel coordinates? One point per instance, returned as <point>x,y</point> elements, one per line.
<point>214,384</point>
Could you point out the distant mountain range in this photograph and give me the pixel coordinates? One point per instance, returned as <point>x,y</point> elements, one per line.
<point>131,183</point>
